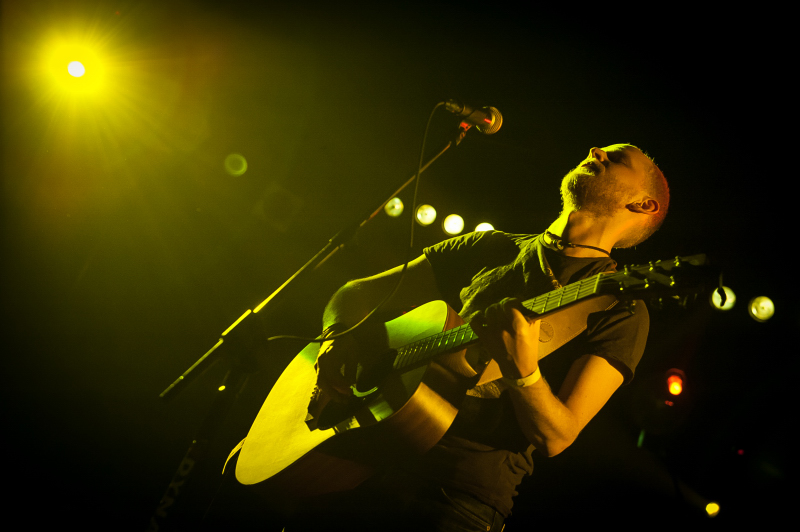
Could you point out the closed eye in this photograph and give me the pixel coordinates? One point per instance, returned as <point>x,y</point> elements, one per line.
<point>619,157</point>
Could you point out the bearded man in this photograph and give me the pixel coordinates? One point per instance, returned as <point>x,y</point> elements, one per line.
<point>616,198</point>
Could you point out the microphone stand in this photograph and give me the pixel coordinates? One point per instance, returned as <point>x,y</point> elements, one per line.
<point>239,339</point>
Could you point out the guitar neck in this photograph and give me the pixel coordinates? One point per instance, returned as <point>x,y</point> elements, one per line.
<point>462,336</point>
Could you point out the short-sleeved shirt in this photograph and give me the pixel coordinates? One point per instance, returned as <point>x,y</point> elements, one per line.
<point>485,452</point>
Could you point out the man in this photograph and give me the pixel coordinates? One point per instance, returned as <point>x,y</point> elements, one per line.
<point>616,197</point>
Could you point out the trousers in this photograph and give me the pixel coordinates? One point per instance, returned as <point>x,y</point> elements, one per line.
<point>397,503</point>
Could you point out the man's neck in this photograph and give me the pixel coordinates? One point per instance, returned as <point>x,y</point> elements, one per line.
<point>580,228</point>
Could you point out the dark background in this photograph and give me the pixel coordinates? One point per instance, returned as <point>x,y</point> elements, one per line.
<point>128,249</point>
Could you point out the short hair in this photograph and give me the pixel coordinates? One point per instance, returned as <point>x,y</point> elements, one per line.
<point>655,186</point>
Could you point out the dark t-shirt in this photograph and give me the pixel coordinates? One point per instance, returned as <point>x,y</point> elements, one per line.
<point>484,452</point>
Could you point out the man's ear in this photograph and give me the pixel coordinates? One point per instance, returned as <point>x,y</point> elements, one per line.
<point>646,206</point>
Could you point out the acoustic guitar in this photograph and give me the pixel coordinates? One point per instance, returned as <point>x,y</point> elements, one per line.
<point>303,444</point>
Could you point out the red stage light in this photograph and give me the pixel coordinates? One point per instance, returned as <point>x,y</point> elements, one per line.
<point>675,378</point>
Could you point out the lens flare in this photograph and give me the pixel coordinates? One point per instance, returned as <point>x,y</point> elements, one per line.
<point>235,164</point>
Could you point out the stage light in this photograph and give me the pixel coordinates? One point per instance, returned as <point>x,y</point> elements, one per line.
<point>235,164</point>
<point>453,224</point>
<point>426,215</point>
<point>761,308</point>
<point>394,207</point>
<point>221,388</point>
<point>716,299</point>
<point>76,69</point>
<point>675,378</point>
<point>675,385</point>
<point>712,509</point>
<point>485,226</point>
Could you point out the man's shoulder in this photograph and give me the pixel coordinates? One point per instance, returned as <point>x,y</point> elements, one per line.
<point>485,239</point>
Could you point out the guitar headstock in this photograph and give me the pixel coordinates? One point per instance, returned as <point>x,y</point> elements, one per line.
<point>670,277</point>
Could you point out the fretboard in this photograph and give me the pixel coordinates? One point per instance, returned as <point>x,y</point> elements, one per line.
<point>463,335</point>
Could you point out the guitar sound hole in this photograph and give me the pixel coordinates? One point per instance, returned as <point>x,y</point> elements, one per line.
<point>372,374</point>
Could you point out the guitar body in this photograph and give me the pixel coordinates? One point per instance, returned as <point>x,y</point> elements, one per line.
<point>410,411</point>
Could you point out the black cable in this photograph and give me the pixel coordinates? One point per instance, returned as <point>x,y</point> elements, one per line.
<point>408,252</point>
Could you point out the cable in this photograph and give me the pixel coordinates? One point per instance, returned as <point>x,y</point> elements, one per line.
<point>408,252</point>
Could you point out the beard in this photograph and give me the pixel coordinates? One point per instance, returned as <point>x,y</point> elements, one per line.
<point>583,190</point>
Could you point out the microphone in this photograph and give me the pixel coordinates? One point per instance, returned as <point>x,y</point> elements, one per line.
<point>487,120</point>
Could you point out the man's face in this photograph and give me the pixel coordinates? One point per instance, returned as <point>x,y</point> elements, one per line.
<point>606,180</point>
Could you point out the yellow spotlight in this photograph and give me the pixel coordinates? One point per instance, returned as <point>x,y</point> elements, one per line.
<point>453,224</point>
<point>761,308</point>
<point>394,207</point>
<point>221,388</point>
<point>716,300</point>
<point>485,226</point>
<point>76,69</point>
<point>235,164</point>
<point>74,66</point>
<point>426,215</point>
<point>712,509</point>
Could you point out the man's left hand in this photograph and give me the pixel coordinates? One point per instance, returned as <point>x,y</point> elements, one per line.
<point>509,337</point>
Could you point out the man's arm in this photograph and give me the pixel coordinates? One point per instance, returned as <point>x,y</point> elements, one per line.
<point>551,423</point>
<point>337,359</point>
<point>357,298</point>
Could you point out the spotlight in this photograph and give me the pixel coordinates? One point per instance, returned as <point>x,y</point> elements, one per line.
<point>394,207</point>
<point>712,509</point>
<point>675,378</point>
<point>485,226</point>
<point>453,224</point>
<point>761,308</point>
<point>76,69</point>
<point>716,300</point>
<point>426,215</point>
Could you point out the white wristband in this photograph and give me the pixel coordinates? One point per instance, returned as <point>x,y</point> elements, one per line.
<point>525,381</point>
